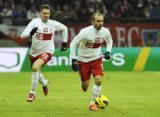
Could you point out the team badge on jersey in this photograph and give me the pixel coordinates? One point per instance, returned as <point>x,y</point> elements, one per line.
<point>97,39</point>
<point>45,29</point>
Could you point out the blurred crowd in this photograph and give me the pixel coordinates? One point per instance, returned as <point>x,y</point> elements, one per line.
<point>20,12</point>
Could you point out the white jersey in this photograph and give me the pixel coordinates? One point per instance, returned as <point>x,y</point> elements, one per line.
<point>43,39</point>
<point>90,40</point>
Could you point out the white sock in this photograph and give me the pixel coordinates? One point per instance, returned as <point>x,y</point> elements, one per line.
<point>42,80</point>
<point>95,92</point>
<point>34,82</point>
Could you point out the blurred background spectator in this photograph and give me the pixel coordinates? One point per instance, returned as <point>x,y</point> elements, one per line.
<point>32,13</point>
<point>6,10</point>
<point>79,10</point>
<point>19,14</point>
<point>59,14</point>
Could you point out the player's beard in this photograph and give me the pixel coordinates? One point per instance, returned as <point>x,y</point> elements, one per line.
<point>98,27</point>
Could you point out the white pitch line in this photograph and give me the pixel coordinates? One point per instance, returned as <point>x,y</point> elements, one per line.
<point>110,97</point>
<point>46,98</point>
<point>149,97</point>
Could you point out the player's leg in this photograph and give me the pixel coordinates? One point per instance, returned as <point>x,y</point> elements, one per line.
<point>96,88</point>
<point>44,83</point>
<point>36,73</point>
<point>97,73</point>
<point>85,85</point>
<point>84,73</point>
<point>95,92</point>
<point>43,80</point>
<point>35,78</point>
<point>45,57</point>
<point>37,63</point>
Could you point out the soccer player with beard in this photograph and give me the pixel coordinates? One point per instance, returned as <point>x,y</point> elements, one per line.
<point>89,60</point>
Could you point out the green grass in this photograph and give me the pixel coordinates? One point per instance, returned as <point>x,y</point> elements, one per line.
<point>131,94</point>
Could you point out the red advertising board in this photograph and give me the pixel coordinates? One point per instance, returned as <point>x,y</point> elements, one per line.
<point>127,34</point>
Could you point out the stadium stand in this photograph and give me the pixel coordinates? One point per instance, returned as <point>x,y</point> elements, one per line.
<point>79,10</point>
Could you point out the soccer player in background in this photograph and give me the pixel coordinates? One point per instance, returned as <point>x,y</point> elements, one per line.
<point>42,30</point>
<point>89,58</point>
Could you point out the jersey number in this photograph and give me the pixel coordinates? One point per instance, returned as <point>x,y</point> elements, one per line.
<point>89,45</point>
<point>39,36</point>
<point>93,45</point>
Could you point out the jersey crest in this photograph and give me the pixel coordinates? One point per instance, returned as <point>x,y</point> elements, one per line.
<point>45,29</point>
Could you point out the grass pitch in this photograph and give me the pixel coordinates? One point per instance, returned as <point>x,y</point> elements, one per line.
<point>131,94</point>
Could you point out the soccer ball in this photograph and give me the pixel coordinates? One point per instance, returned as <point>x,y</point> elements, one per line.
<point>101,101</point>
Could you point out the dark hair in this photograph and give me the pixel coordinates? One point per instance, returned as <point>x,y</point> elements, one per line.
<point>44,6</point>
<point>95,14</point>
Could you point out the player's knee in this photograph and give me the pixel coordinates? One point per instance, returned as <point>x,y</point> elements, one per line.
<point>85,87</point>
<point>35,68</point>
<point>98,81</point>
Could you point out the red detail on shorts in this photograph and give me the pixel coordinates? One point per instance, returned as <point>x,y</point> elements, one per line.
<point>93,67</point>
<point>45,57</point>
